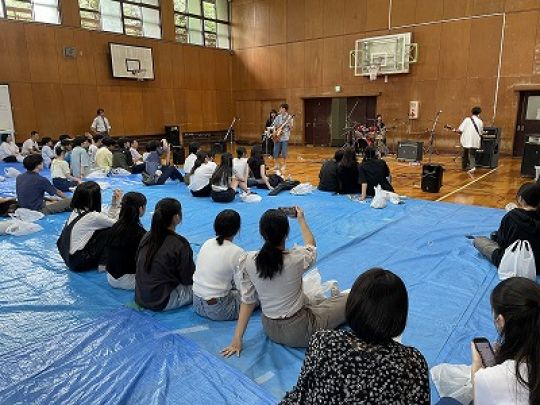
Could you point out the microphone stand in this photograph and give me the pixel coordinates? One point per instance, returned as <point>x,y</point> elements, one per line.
<point>229,133</point>
<point>348,128</point>
<point>432,135</point>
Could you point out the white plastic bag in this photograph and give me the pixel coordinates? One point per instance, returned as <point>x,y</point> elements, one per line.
<point>453,381</point>
<point>24,214</point>
<point>119,172</point>
<point>313,287</point>
<point>11,172</point>
<point>2,178</point>
<point>302,189</point>
<point>17,227</point>
<point>518,261</point>
<point>97,174</point>
<point>379,201</point>
<point>250,198</point>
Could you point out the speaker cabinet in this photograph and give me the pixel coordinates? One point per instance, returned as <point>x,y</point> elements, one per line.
<point>432,176</point>
<point>178,155</point>
<point>172,134</point>
<point>531,158</point>
<point>410,151</point>
<point>488,155</point>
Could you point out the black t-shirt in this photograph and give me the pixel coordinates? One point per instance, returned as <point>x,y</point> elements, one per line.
<point>374,172</point>
<point>255,167</point>
<point>171,266</point>
<point>348,179</point>
<point>122,250</point>
<point>328,177</point>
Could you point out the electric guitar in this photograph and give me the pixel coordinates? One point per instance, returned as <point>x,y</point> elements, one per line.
<point>276,136</point>
<point>450,128</point>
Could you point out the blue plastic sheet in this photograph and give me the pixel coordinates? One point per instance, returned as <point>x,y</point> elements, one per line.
<point>424,242</point>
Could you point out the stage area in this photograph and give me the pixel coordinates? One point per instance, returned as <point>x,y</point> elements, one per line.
<point>69,337</point>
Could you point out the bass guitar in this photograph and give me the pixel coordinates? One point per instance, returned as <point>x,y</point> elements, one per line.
<point>276,136</point>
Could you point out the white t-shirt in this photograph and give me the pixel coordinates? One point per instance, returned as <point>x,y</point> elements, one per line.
<point>92,151</point>
<point>101,125</point>
<point>215,269</point>
<point>201,177</point>
<point>498,385</point>
<point>29,146</point>
<point>282,296</point>
<point>47,154</point>
<point>240,168</point>
<point>470,138</point>
<point>189,162</point>
<point>59,169</point>
<point>135,155</point>
<point>8,149</point>
<point>84,229</point>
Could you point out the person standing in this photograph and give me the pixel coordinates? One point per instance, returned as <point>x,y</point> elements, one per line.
<point>471,130</point>
<point>100,125</point>
<point>281,146</point>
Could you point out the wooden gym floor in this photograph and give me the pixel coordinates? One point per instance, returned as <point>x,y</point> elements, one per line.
<point>489,187</point>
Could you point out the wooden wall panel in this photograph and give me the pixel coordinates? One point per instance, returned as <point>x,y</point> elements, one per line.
<point>313,61</point>
<point>313,14</point>
<point>355,16</point>
<point>484,47</point>
<point>332,61</point>
<point>295,18</point>
<point>194,109</point>
<point>456,8</point>
<point>110,99</point>
<point>85,57</point>
<point>72,105</point>
<point>521,5</point>
<point>13,48</point>
<point>24,112</point>
<point>49,108</point>
<point>153,106</point>
<point>261,17</point>
<point>454,57</point>
<point>428,10</point>
<point>377,14</point>
<point>295,65</point>
<point>431,57</point>
<point>67,67</point>
<point>403,12</point>
<point>334,12</point>
<point>42,53</point>
<point>277,21</point>
<point>519,44</point>
<point>487,6</point>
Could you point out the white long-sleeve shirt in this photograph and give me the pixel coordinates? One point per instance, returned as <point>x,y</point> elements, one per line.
<point>8,149</point>
<point>84,229</point>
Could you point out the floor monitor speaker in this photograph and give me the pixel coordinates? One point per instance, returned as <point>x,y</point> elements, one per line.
<point>432,176</point>
<point>410,151</point>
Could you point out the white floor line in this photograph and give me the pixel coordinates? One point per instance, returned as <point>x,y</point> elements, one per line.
<point>466,185</point>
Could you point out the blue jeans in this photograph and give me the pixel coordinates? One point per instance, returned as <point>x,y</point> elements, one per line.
<point>281,148</point>
<point>225,309</point>
<point>180,296</point>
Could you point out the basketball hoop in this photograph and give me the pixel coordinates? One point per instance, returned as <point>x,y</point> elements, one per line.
<point>373,71</point>
<point>139,74</point>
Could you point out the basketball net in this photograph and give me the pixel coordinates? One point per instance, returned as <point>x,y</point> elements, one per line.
<point>139,74</point>
<point>373,71</point>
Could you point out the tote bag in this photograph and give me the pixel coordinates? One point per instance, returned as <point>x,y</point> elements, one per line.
<point>518,261</point>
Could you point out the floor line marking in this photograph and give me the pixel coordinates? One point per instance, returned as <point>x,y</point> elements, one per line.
<point>466,185</point>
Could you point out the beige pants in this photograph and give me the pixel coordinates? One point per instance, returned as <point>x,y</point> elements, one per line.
<point>296,331</point>
<point>57,206</point>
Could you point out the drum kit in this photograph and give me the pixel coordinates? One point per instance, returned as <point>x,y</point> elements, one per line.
<point>361,136</point>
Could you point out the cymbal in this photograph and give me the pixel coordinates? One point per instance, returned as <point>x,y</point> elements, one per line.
<point>379,137</point>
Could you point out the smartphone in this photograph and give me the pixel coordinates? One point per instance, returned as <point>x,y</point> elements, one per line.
<point>485,350</point>
<point>289,211</point>
<point>470,236</point>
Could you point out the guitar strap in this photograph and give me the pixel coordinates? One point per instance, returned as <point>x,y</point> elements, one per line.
<point>475,126</point>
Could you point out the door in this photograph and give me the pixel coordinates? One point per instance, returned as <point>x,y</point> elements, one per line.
<point>528,119</point>
<point>317,124</point>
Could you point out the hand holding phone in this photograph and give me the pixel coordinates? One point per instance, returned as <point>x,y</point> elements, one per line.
<point>484,349</point>
<point>289,211</point>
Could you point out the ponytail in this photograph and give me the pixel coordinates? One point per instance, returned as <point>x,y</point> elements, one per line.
<point>165,210</point>
<point>201,156</point>
<point>274,228</point>
<point>131,204</point>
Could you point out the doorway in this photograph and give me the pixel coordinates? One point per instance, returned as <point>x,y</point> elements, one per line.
<point>528,119</point>
<point>318,120</point>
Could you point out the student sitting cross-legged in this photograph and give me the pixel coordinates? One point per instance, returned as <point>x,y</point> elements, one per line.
<point>155,173</point>
<point>190,160</point>
<point>84,237</point>
<point>201,173</point>
<point>123,241</point>
<point>214,290</point>
<point>224,181</point>
<point>273,276</point>
<point>164,267</point>
<point>60,173</point>
<point>365,364</point>
<point>31,188</point>
<point>47,152</point>
<point>9,151</point>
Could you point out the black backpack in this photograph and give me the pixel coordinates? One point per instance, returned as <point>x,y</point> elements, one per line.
<point>64,240</point>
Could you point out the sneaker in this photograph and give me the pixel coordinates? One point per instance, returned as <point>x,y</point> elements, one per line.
<point>470,173</point>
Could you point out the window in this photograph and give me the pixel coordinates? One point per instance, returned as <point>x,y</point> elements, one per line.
<point>139,18</point>
<point>202,22</point>
<point>31,10</point>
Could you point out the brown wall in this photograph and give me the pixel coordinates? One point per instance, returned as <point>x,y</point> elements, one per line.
<point>57,95</point>
<point>291,49</point>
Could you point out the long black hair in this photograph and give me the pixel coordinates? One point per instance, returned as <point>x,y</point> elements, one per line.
<point>201,156</point>
<point>129,214</point>
<point>224,171</point>
<point>349,157</point>
<point>530,194</point>
<point>517,299</point>
<point>256,159</point>
<point>370,153</point>
<point>274,228</point>
<point>164,213</point>
<point>87,197</point>
<point>226,224</point>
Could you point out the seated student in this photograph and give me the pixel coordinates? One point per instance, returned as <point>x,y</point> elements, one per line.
<point>373,171</point>
<point>274,275</point>
<point>122,157</point>
<point>214,290</point>
<point>522,223</point>
<point>9,151</point>
<point>190,160</point>
<point>365,364</point>
<point>104,154</point>
<point>515,305</point>
<point>31,146</point>
<point>123,241</point>
<point>258,169</point>
<point>46,152</point>
<point>96,142</point>
<point>154,173</point>
<point>224,182</point>
<point>240,165</point>
<point>165,267</point>
<point>201,173</point>
<point>62,141</point>
<point>60,173</point>
<point>84,237</point>
<point>348,173</point>
<point>31,188</point>
<point>80,159</point>
<point>328,176</point>
<point>8,205</point>
<point>67,145</point>
<point>134,150</point>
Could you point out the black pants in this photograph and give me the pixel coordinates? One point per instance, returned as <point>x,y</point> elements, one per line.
<point>223,196</point>
<point>203,192</point>
<point>169,172</point>
<point>92,255</point>
<point>10,159</point>
<point>469,158</point>
<point>63,184</point>
<point>138,168</point>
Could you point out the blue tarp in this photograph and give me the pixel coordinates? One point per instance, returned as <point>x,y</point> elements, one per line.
<point>423,242</point>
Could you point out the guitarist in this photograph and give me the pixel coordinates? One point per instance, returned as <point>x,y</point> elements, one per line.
<point>283,124</point>
<point>471,129</point>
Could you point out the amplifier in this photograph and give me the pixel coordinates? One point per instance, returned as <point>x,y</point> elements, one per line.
<point>410,151</point>
<point>488,155</point>
<point>432,176</point>
<point>531,158</point>
<point>172,134</point>
<point>178,155</point>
